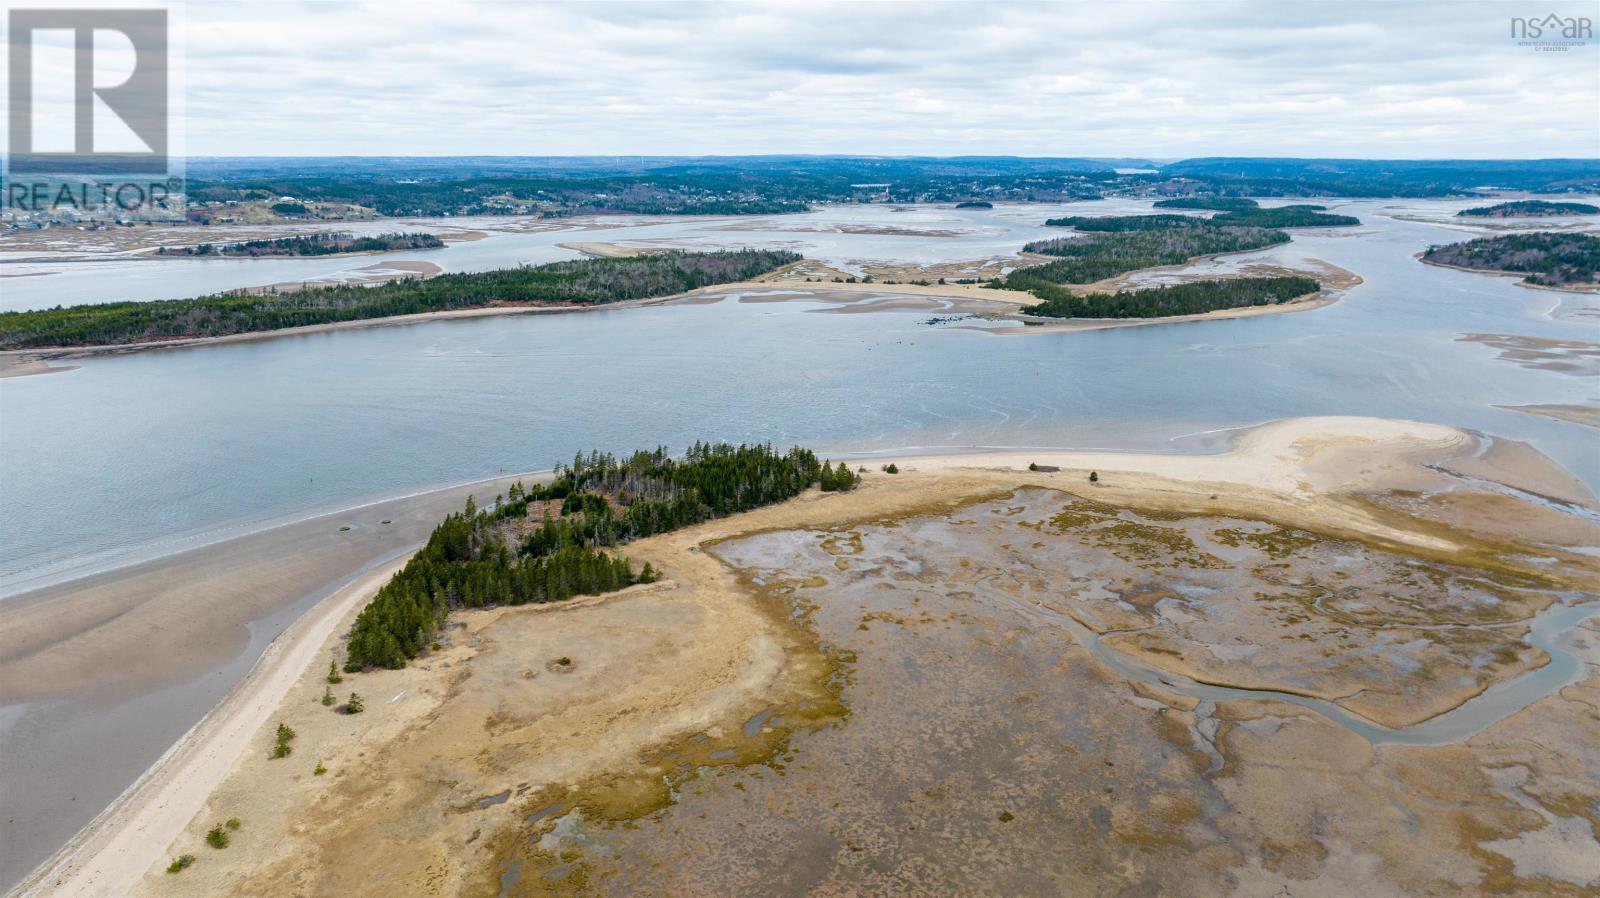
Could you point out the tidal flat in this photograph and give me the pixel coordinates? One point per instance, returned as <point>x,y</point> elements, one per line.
<point>1326,661</point>
<point>996,744</point>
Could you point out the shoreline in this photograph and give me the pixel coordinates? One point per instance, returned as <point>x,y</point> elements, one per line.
<point>173,626</point>
<point>1034,324</point>
<point>144,819</point>
<point>1583,415</point>
<point>1285,469</point>
<point>197,541</point>
<point>13,359</point>
<point>28,362</point>
<point>1522,277</point>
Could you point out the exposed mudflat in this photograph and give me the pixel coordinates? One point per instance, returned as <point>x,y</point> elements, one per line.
<point>988,752</point>
<point>1575,357</point>
<point>1330,661</point>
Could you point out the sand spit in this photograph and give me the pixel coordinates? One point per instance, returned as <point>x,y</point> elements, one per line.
<point>608,250</point>
<point>689,683</point>
<point>376,273</point>
<point>22,366</point>
<point>1587,415</point>
<point>982,301</point>
<point>1332,277</point>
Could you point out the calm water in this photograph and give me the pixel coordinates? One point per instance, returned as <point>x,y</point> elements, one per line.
<point>140,456</point>
<point>136,456</point>
<point>956,235</point>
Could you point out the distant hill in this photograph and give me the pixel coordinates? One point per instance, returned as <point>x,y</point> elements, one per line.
<point>452,167</point>
<point>1393,177</point>
<point>555,186</point>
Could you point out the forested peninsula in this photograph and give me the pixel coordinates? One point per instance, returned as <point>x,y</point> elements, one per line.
<point>1194,298</point>
<point>1120,244</point>
<point>1240,211</point>
<point>1528,209</point>
<point>547,543</point>
<point>1114,245</point>
<point>1548,258</point>
<point>324,244</point>
<point>1299,216</point>
<point>1208,203</point>
<point>580,282</point>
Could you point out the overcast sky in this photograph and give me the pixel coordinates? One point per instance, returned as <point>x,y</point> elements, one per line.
<point>1072,79</point>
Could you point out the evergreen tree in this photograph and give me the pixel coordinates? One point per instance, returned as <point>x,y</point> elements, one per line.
<point>592,505</point>
<point>581,282</point>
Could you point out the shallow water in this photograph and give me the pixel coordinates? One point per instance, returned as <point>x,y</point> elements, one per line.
<point>980,234</point>
<point>141,455</point>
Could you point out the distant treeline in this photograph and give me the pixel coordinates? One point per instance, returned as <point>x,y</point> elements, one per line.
<point>1243,176</point>
<point>1549,258</point>
<point>1299,216</point>
<point>1118,245</point>
<point>1120,223</point>
<point>1209,203</point>
<point>1113,245</point>
<point>1303,216</point>
<point>550,196</point>
<point>1529,209</point>
<point>975,204</point>
<point>502,556</point>
<point>584,282</point>
<point>1178,299</point>
<point>766,184</point>
<point>750,186</point>
<point>325,244</point>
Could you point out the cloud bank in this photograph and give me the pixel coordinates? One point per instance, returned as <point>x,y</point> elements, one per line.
<point>1069,79</point>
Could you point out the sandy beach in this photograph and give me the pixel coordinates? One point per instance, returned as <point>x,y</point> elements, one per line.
<point>139,824</point>
<point>179,630</point>
<point>376,273</point>
<point>692,650</point>
<point>23,365</point>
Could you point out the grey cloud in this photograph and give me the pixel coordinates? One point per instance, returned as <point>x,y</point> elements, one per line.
<point>1159,79</point>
